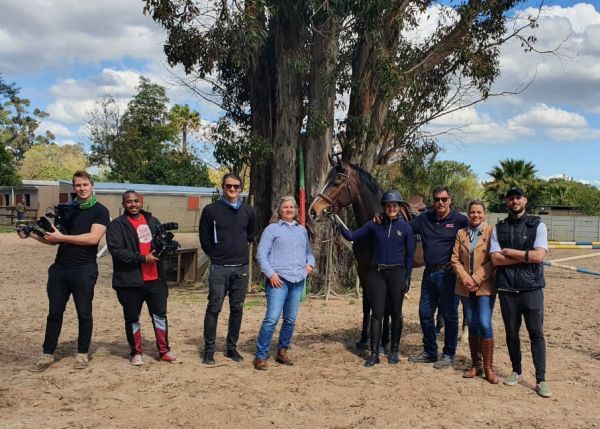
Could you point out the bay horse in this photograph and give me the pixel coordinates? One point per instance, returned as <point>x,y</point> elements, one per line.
<point>348,184</point>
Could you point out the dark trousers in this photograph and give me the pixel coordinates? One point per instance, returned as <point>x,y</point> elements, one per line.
<point>62,282</point>
<point>223,281</point>
<point>385,291</point>
<point>154,294</point>
<point>529,306</point>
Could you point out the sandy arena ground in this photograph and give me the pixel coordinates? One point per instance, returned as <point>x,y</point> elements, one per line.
<point>327,387</point>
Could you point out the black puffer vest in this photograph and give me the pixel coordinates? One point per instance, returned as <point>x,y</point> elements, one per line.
<point>519,234</point>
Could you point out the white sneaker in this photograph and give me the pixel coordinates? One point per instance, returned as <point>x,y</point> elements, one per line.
<point>137,360</point>
<point>43,363</point>
<point>513,379</point>
<point>81,361</point>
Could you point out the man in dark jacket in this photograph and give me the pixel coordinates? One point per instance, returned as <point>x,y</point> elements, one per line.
<point>138,277</point>
<point>227,227</point>
<point>518,246</point>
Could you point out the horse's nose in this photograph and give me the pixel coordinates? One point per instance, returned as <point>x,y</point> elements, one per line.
<point>312,214</point>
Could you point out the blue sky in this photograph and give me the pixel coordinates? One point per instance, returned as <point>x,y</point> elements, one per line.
<point>64,55</point>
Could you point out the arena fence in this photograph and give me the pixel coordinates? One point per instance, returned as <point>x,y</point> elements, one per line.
<point>565,228</point>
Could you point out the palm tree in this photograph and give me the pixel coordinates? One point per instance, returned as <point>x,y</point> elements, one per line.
<point>186,120</point>
<point>510,173</point>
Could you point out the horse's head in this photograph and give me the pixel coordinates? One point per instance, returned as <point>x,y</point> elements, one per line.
<point>339,190</point>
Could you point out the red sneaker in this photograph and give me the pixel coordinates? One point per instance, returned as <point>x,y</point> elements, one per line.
<point>170,357</point>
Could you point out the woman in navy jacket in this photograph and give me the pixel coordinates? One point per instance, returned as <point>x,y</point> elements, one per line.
<point>389,277</point>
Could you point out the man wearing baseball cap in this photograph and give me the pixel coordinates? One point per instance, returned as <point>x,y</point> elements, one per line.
<point>518,246</point>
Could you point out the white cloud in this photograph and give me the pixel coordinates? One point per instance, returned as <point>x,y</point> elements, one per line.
<point>543,116</point>
<point>40,34</point>
<point>569,75</point>
<point>55,128</point>
<point>75,99</point>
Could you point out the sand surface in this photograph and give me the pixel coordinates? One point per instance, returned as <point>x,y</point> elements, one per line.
<point>327,387</point>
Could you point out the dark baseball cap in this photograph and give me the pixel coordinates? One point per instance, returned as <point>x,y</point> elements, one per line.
<point>515,191</point>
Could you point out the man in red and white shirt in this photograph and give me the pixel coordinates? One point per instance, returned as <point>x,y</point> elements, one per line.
<point>138,278</point>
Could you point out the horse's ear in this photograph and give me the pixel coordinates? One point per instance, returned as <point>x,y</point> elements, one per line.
<point>339,163</point>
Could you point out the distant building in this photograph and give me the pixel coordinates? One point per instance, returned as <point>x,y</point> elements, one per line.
<point>181,204</point>
<point>556,210</point>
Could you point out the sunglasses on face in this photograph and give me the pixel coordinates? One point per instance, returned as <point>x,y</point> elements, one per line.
<point>442,199</point>
<point>232,186</point>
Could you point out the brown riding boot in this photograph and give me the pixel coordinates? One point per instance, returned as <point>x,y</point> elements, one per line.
<point>283,358</point>
<point>476,368</point>
<point>260,364</point>
<point>487,348</point>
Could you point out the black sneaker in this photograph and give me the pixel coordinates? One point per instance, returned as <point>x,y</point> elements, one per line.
<point>209,358</point>
<point>234,355</point>
<point>372,360</point>
<point>422,358</point>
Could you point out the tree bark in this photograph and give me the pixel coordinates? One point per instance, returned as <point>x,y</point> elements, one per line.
<point>321,102</point>
<point>288,29</point>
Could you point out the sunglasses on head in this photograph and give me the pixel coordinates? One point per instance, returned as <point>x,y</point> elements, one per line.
<point>232,186</point>
<point>442,199</point>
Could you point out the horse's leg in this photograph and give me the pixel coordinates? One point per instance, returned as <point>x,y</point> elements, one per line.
<point>363,343</point>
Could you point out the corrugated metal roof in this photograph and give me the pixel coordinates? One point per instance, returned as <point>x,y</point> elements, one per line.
<point>111,187</point>
<point>40,182</point>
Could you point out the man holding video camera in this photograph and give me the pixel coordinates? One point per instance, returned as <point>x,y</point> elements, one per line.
<point>138,276</point>
<point>75,270</point>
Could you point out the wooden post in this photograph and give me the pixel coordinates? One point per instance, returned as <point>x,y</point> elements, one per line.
<point>250,247</point>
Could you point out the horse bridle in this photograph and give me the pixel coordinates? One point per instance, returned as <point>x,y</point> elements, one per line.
<point>332,202</point>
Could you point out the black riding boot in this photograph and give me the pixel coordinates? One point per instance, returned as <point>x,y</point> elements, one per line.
<point>396,333</point>
<point>385,334</point>
<point>375,341</point>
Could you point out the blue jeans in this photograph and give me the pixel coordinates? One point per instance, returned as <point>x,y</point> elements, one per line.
<point>286,300</point>
<point>437,288</point>
<point>478,310</point>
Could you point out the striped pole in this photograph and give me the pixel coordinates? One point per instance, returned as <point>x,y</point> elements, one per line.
<point>573,246</point>
<point>575,243</point>
<point>567,267</point>
<point>302,205</point>
<point>302,190</point>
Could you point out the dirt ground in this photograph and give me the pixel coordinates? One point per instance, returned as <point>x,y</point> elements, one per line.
<point>327,387</point>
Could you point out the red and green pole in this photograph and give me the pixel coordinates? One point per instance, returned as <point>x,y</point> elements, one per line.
<point>302,195</point>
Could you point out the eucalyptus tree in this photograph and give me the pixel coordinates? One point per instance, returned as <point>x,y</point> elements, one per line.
<point>299,72</point>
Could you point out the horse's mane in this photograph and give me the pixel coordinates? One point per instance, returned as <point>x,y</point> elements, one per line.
<point>367,179</point>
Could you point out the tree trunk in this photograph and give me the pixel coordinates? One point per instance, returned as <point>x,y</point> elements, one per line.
<point>262,101</point>
<point>321,99</point>
<point>288,29</point>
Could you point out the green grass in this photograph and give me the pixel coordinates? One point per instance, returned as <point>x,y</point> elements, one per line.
<point>7,229</point>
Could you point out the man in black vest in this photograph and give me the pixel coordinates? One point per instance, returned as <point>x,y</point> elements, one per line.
<point>518,246</point>
<point>227,227</point>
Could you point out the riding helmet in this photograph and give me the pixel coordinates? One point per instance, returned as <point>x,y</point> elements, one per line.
<point>391,196</point>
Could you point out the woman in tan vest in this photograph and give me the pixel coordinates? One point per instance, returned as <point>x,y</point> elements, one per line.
<point>476,289</point>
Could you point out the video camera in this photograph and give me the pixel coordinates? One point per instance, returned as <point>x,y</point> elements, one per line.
<point>162,239</point>
<point>54,219</point>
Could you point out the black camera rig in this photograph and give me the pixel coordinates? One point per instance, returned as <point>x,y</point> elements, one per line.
<point>162,239</point>
<point>54,219</point>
